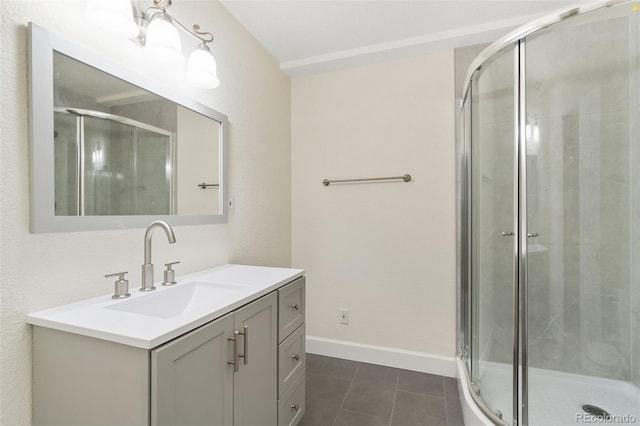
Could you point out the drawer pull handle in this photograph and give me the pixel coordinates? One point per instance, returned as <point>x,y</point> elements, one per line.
<point>295,307</point>
<point>246,344</point>
<point>295,407</point>
<point>236,356</point>
<point>296,357</point>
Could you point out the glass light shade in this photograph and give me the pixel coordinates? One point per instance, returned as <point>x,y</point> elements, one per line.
<point>113,15</point>
<point>163,39</point>
<point>201,69</point>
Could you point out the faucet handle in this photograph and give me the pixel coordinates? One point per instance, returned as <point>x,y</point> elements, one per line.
<point>121,286</point>
<point>170,274</point>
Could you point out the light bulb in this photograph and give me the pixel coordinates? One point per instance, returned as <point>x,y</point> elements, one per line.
<point>536,132</point>
<point>202,69</point>
<point>113,15</point>
<point>163,39</point>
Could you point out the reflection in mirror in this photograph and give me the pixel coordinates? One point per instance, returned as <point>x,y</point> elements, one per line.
<point>119,150</point>
<point>111,148</point>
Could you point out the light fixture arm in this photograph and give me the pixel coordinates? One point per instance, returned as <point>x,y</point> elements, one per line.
<point>202,34</point>
<point>160,6</point>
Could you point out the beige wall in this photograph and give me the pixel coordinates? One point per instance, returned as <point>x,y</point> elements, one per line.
<point>198,154</point>
<point>385,251</point>
<point>43,270</point>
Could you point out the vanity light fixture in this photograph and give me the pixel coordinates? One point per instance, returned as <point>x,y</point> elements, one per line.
<point>158,32</point>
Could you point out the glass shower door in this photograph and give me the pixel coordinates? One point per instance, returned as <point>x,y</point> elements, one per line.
<point>65,140</point>
<point>493,233</point>
<point>582,210</point>
<point>153,176</point>
<point>116,179</point>
<point>107,164</point>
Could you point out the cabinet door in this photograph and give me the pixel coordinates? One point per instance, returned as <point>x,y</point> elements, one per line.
<point>191,380</point>
<point>256,381</point>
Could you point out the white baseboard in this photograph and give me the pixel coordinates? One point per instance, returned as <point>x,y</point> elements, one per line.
<point>380,355</point>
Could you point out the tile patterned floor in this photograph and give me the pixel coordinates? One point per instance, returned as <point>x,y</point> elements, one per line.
<point>348,393</point>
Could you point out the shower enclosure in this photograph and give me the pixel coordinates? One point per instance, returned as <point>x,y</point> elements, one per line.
<point>106,164</point>
<point>549,228</point>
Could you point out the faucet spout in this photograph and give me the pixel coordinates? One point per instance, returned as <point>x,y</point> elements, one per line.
<point>147,267</point>
<point>149,233</point>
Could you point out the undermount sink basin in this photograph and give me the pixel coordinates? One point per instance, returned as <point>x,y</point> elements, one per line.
<point>177,300</point>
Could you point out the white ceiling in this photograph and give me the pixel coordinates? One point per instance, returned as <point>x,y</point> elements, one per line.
<point>310,36</point>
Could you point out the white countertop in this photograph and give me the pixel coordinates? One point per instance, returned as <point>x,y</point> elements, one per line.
<point>100,318</point>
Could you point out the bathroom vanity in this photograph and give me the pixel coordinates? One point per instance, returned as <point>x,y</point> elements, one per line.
<point>224,346</point>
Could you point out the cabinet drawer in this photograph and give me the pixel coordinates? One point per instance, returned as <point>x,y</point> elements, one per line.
<point>291,359</point>
<point>291,406</point>
<point>291,307</point>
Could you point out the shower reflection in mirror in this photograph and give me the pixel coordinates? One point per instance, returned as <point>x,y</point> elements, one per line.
<point>106,164</point>
<point>121,151</point>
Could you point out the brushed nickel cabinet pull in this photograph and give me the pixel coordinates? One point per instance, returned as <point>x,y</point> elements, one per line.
<point>246,345</point>
<point>236,356</point>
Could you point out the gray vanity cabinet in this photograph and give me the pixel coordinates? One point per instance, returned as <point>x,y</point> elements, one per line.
<point>191,379</point>
<point>193,383</point>
<point>255,386</point>
<point>82,381</point>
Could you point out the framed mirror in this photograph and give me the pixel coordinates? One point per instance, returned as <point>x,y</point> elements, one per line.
<point>113,149</point>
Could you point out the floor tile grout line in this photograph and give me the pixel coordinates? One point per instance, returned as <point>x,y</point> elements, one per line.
<point>395,398</point>
<point>364,414</point>
<point>421,393</point>
<point>335,419</point>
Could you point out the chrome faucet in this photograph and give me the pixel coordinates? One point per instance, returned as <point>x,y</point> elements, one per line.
<point>147,268</point>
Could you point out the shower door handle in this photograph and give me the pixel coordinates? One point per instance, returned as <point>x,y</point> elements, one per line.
<point>533,235</point>
<point>508,234</point>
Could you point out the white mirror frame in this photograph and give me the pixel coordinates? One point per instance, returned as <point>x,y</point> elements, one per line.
<point>42,44</point>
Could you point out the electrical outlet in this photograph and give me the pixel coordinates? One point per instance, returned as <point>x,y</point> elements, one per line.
<point>344,316</point>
